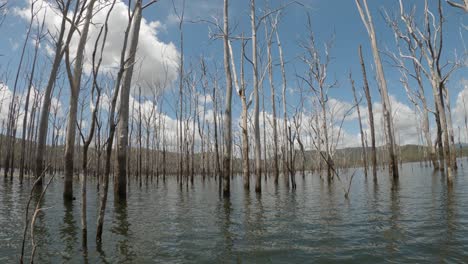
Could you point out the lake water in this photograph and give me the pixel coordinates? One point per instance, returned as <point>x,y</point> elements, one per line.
<point>419,221</point>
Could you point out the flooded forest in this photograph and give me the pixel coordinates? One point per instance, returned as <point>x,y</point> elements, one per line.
<point>256,131</point>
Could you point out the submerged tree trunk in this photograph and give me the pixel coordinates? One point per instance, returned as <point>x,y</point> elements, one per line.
<point>285,113</point>
<point>387,109</point>
<point>75,85</point>
<point>120,184</point>
<point>364,152</point>
<point>112,127</point>
<point>258,147</point>
<point>371,116</point>
<point>44,117</point>
<point>273,105</point>
<point>227,110</point>
<point>10,138</point>
<point>26,106</point>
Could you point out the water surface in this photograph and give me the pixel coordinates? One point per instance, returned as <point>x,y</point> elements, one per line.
<point>416,221</point>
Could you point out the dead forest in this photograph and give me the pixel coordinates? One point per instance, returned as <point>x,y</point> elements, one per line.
<point>69,112</point>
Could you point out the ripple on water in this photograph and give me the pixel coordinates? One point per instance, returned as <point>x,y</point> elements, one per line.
<point>421,220</point>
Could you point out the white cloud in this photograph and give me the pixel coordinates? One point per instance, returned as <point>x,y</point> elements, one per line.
<point>460,112</point>
<point>157,62</point>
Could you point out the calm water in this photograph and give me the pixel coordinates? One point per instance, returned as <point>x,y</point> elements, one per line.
<point>419,221</point>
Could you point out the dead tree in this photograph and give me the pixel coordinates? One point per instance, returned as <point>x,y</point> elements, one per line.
<point>202,121</point>
<point>241,91</point>
<point>39,36</point>
<point>228,105</point>
<point>386,106</point>
<point>283,95</point>
<point>415,71</point>
<point>112,124</point>
<point>120,183</point>
<point>463,6</point>
<point>269,36</point>
<point>10,146</point>
<point>316,79</point>
<point>258,147</point>
<point>429,39</point>
<point>370,113</point>
<point>95,92</point>
<point>61,45</point>
<point>356,102</point>
<point>74,78</point>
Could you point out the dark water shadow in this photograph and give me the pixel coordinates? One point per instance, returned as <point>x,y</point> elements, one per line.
<point>395,235</point>
<point>226,228</point>
<point>121,228</point>
<point>68,231</point>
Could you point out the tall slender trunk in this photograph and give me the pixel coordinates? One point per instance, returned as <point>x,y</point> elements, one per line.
<point>10,147</point>
<point>258,147</point>
<point>364,152</point>
<point>371,115</point>
<point>387,109</point>
<point>112,127</point>
<point>273,106</point>
<point>44,117</point>
<point>228,105</point>
<point>443,129</point>
<point>215,124</point>
<point>453,152</point>
<point>120,184</point>
<point>75,85</point>
<point>245,128</point>
<point>283,94</point>
<point>26,109</point>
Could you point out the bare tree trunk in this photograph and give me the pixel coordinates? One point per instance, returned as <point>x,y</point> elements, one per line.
<point>201,124</point>
<point>387,109</point>
<point>283,94</point>
<point>364,152</point>
<point>26,106</point>
<point>244,128</point>
<point>371,116</point>
<point>273,104</point>
<point>10,147</point>
<point>120,184</point>
<point>215,120</point>
<point>44,118</point>
<point>258,147</point>
<point>228,106</point>
<point>140,163</point>
<point>75,85</point>
<point>112,127</point>
<point>241,90</point>
<point>444,135</point>
<point>453,152</point>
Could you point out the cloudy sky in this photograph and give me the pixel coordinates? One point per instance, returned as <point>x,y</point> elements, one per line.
<point>159,50</point>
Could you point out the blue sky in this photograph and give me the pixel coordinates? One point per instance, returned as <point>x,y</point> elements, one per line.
<point>329,18</point>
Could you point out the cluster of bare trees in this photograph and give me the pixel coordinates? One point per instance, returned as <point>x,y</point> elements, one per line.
<point>201,139</point>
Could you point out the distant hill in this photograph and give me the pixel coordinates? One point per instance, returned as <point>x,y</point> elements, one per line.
<point>346,157</point>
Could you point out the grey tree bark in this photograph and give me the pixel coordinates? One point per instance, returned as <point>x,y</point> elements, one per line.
<point>387,109</point>
<point>371,115</point>
<point>363,145</point>
<point>28,95</point>
<point>75,86</point>
<point>120,183</point>
<point>258,147</point>
<point>285,113</point>
<point>228,105</point>
<point>44,117</point>
<point>273,99</point>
